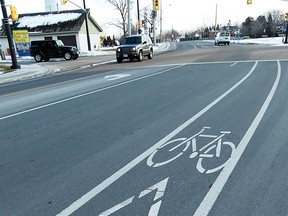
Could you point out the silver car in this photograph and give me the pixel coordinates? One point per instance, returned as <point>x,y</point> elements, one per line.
<point>135,47</point>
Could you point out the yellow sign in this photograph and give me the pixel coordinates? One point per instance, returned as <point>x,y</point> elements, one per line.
<point>21,36</point>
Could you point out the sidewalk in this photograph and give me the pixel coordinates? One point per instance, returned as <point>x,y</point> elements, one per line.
<point>30,69</point>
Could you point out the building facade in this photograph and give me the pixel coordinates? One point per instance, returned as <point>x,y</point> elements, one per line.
<point>68,26</point>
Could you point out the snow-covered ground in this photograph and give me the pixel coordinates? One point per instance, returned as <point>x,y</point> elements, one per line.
<point>275,41</point>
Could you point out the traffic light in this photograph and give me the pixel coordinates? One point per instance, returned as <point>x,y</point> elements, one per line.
<point>156,5</point>
<point>63,2</point>
<point>249,2</point>
<point>14,14</point>
<point>286,16</point>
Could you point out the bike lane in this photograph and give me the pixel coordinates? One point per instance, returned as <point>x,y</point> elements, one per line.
<point>178,187</point>
<point>258,184</point>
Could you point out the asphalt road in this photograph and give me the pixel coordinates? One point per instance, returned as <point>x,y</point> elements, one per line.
<point>199,130</point>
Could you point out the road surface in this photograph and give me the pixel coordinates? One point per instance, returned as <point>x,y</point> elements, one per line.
<point>199,130</point>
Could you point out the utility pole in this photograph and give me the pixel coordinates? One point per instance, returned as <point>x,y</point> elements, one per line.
<point>216,15</point>
<point>154,26</point>
<point>138,22</point>
<point>87,30</point>
<point>161,16</point>
<point>86,19</point>
<point>286,33</point>
<point>129,18</point>
<point>15,64</point>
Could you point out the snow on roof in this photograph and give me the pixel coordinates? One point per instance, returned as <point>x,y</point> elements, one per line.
<point>48,19</point>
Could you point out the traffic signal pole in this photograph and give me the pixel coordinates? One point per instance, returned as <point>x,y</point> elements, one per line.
<point>86,19</point>
<point>286,34</point>
<point>87,28</point>
<point>15,64</point>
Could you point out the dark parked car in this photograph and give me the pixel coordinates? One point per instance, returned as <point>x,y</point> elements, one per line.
<point>135,47</point>
<point>46,49</point>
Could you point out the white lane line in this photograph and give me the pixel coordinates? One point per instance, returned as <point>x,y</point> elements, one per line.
<point>117,207</point>
<point>211,197</point>
<point>97,64</point>
<point>116,76</point>
<point>88,93</point>
<point>114,177</point>
<point>234,64</point>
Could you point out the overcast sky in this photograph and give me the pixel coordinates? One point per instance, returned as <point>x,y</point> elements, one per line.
<point>181,15</point>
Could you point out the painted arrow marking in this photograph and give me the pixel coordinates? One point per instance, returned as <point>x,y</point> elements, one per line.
<point>116,76</point>
<point>154,210</point>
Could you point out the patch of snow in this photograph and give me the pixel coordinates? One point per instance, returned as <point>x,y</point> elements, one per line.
<point>49,19</point>
<point>264,41</point>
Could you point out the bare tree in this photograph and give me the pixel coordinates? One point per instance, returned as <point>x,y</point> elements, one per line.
<point>122,7</point>
<point>278,19</point>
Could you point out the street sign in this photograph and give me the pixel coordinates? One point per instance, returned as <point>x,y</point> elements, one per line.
<point>22,42</point>
<point>21,36</point>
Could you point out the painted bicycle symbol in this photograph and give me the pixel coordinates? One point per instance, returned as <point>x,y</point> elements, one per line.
<point>212,149</point>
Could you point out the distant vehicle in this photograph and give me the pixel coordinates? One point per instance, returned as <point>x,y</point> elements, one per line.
<point>135,47</point>
<point>46,49</point>
<point>222,38</point>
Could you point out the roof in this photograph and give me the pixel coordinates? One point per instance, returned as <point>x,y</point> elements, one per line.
<point>50,22</point>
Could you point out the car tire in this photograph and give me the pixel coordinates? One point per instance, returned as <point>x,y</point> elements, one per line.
<point>74,57</point>
<point>228,43</point>
<point>150,56</point>
<point>67,56</point>
<point>119,60</point>
<point>38,57</point>
<point>140,56</point>
<point>46,59</point>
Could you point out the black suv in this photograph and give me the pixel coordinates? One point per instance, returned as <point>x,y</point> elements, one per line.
<point>46,49</point>
<point>135,47</point>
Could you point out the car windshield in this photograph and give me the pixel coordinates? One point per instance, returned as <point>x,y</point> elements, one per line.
<point>224,34</point>
<point>59,43</point>
<point>132,40</point>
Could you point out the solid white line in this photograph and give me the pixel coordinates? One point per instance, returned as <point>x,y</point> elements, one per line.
<point>88,93</point>
<point>117,207</point>
<point>234,64</point>
<point>97,64</point>
<point>114,177</point>
<point>211,197</point>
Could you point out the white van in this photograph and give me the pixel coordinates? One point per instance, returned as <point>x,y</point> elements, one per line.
<point>222,37</point>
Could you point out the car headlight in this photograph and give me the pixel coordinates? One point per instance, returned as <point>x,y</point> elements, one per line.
<point>118,49</point>
<point>133,49</point>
